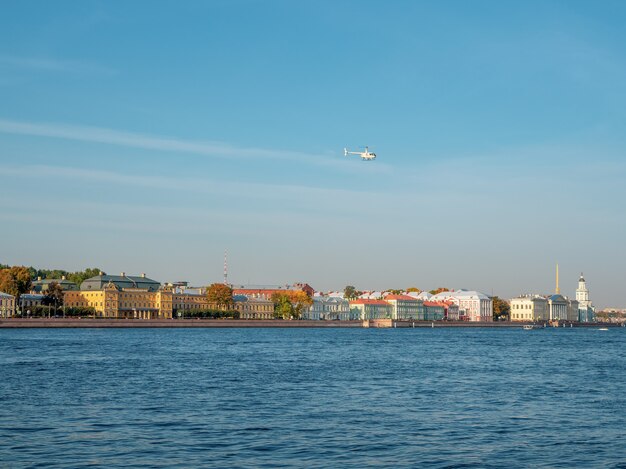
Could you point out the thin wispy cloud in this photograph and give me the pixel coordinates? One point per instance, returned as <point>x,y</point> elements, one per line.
<point>46,64</point>
<point>116,216</point>
<point>187,184</point>
<point>167,144</point>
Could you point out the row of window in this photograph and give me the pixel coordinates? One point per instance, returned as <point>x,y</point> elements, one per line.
<point>256,316</point>
<point>247,307</point>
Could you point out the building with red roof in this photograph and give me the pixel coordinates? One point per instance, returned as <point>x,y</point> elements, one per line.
<point>266,291</point>
<point>434,310</point>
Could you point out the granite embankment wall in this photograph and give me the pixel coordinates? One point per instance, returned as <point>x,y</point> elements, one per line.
<point>225,323</point>
<point>154,323</point>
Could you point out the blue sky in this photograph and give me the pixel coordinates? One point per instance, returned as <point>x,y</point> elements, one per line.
<point>151,136</point>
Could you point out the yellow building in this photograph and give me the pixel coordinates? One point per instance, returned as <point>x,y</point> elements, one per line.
<point>122,296</point>
<point>253,308</point>
<point>529,308</point>
<point>138,297</point>
<point>189,300</point>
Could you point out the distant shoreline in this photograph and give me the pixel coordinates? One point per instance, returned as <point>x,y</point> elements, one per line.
<point>20,323</point>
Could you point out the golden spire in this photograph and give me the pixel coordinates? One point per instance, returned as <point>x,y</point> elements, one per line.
<point>557,291</point>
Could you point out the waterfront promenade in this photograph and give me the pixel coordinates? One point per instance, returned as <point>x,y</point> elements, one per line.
<point>21,323</point>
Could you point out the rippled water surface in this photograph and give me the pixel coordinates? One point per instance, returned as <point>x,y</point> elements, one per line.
<point>312,398</point>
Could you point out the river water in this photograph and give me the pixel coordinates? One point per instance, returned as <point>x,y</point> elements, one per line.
<point>458,397</point>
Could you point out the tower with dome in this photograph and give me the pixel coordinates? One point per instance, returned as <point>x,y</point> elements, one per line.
<point>586,311</point>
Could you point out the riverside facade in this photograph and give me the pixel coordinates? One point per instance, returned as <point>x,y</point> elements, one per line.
<point>554,307</point>
<point>139,297</point>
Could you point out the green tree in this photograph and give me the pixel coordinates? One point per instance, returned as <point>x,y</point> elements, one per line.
<point>290,304</point>
<point>83,312</point>
<point>81,276</point>
<point>414,289</point>
<point>47,273</point>
<point>283,309</point>
<point>15,281</point>
<point>220,295</point>
<point>438,290</point>
<point>53,296</point>
<point>349,293</point>
<point>501,309</point>
<point>300,302</point>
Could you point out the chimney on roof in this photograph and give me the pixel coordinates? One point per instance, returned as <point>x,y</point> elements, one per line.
<point>123,274</point>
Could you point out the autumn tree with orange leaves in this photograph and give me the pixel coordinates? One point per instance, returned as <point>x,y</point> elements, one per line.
<point>290,304</point>
<point>15,281</point>
<point>221,295</point>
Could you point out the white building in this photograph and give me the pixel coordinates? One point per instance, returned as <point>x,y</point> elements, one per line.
<point>529,308</point>
<point>557,307</point>
<point>336,294</point>
<point>586,311</point>
<point>371,295</point>
<point>330,308</point>
<point>476,306</point>
<point>424,296</point>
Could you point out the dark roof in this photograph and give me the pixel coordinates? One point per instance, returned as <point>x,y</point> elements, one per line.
<point>557,297</point>
<point>32,296</point>
<point>127,281</point>
<point>245,299</point>
<point>39,286</point>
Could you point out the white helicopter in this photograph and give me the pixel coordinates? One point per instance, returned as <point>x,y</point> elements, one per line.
<point>365,155</point>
